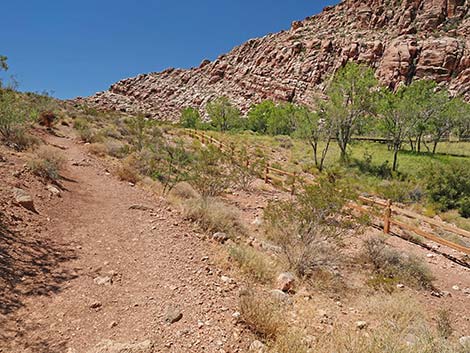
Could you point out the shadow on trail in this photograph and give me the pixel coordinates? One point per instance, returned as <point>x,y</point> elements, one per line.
<point>28,267</point>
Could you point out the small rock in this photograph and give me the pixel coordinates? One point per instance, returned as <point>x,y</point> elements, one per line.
<point>465,341</point>
<point>113,324</point>
<point>173,314</point>
<point>258,347</point>
<point>102,281</point>
<point>400,286</point>
<point>410,339</point>
<point>361,325</point>
<point>456,288</point>
<point>96,305</point>
<point>53,190</point>
<point>285,281</point>
<point>23,199</point>
<point>236,315</point>
<point>280,296</point>
<point>220,237</point>
<point>430,256</point>
<point>226,279</point>
<point>257,222</point>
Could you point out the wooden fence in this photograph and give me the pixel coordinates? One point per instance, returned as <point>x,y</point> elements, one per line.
<point>387,215</point>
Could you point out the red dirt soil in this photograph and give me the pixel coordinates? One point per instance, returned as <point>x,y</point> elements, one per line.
<point>50,301</point>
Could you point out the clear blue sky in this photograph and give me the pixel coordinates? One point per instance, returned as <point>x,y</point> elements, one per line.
<point>76,48</point>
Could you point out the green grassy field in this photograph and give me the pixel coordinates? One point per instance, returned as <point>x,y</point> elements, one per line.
<point>296,154</point>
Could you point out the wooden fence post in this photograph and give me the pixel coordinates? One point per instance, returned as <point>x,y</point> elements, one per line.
<point>203,138</point>
<point>293,184</point>
<point>266,174</point>
<point>387,215</point>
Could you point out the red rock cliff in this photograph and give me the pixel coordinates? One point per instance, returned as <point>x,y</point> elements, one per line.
<point>402,40</point>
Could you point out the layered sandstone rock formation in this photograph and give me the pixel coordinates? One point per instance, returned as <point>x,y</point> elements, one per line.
<point>402,40</point>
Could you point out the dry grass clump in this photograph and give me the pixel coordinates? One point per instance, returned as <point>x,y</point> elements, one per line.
<point>115,148</point>
<point>391,267</point>
<point>291,341</point>
<point>402,328</point>
<point>214,216</point>
<point>98,149</point>
<point>20,140</point>
<point>254,263</point>
<point>262,315</point>
<point>128,170</point>
<point>47,163</point>
<point>184,191</point>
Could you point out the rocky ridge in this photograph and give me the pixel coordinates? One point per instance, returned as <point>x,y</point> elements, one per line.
<point>402,40</point>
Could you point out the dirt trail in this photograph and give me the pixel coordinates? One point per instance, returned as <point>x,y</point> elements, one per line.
<point>153,258</point>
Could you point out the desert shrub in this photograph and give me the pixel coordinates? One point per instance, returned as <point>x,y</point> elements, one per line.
<point>393,266</point>
<point>47,163</point>
<point>190,118</point>
<point>449,185</point>
<point>173,165</point>
<point>15,114</point>
<point>307,228</point>
<point>116,148</point>
<point>400,191</point>
<point>20,139</point>
<point>253,263</point>
<point>184,191</point>
<point>98,149</point>
<point>261,314</point>
<point>243,175</point>
<point>211,174</point>
<point>464,207</point>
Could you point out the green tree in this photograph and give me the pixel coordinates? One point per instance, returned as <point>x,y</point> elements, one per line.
<point>396,120</point>
<point>3,65</point>
<point>351,99</point>
<point>223,115</point>
<point>283,119</point>
<point>450,115</point>
<point>190,118</point>
<point>425,104</point>
<point>259,115</point>
<point>314,128</point>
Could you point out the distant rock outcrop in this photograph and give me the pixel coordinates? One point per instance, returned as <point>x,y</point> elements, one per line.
<point>402,40</point>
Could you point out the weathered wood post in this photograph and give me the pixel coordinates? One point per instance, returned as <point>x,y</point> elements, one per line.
<point>387,215</point>
<point>293,183</point>
<point>266,174</point>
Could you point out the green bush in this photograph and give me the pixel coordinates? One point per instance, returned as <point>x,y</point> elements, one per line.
<point>190,118</point>
<point>13,116</point>
<point>449,185</point>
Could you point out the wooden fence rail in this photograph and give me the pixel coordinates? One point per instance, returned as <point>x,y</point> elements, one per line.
<point>387,211</point>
